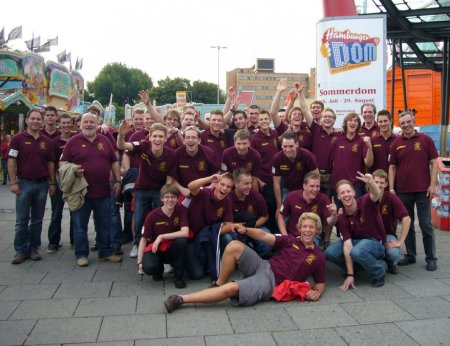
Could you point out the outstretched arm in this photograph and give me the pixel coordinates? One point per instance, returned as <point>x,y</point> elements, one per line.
<point>255,233</point>
<point>282,86</point>
<point>157,118</point>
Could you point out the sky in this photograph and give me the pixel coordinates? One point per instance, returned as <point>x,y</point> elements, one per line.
<point>173,37</point>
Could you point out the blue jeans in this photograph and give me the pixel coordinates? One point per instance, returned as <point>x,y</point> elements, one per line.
<point>367,253</point>
<point>145,200</point>
<point>54,229</point>
<point>102,213</point>
<point>391,256</point>
<point>116,222</point>
<point>424,214</point>
<point>194,267</point>
<point>30,204</point>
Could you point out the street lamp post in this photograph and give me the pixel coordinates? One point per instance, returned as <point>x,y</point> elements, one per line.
<point>218,47</point>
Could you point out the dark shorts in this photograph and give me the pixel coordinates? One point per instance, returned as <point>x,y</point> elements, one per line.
<point>259,281</point>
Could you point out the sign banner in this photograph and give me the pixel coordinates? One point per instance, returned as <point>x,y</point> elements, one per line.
<point>351,63</point>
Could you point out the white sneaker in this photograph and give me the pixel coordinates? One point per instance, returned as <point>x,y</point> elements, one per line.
<point>168,269</point>
<point>134,252</point>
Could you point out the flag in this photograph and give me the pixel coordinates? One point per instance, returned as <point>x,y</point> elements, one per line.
<point>34,43</point>
<point>62,57</point>
<point>15,33</point>
<point>53,41</point>
<point>2,36</point>
<point>77,64</point>
<point>81,64</point>
<point>69,57</point>
<point>44,48</point>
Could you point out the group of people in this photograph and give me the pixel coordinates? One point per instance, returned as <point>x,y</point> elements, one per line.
<point>255,190</point>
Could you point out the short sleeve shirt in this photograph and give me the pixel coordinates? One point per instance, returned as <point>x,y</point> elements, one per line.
<point>190,168</point>
<point>217,144</point>
<point>267,146</point>
<point>374,130</point>
<point>392,209</point>
<point>135,137</point>
<point>321,145</point>
<point>253,204</point>
<point>381,148</point>
<point>232,161</point>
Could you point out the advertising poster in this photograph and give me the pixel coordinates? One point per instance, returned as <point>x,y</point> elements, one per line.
<point>351,63</point>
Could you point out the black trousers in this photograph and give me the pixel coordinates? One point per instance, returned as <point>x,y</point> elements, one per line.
<point>153,263</point>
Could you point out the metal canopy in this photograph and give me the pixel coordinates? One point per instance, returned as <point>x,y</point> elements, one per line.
<point>419,29</point>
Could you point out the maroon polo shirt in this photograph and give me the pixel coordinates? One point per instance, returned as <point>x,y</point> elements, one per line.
<point>172,141</point>
<point>201,165</point>
<point>321,145</point>
<point>157,223</point>
<point>295,205</point>
<point>206,210</point>
<point>293,261</point>
<point>381,148</point>
<point>366,223</point>
<point>347,158</point>
<point>217,144</point>
<point>109,136</point>
<point>136,137</point>
<point>53,135</point>
<point>59,144</point>
<point>32,155</point>
<point>127,136</point>
<point>253,204</point>
<point>153,171</point>
<point>304,135</point>
<point>95,158</point>
<point>293,172</point>
<point>267,146</point>
<point>392,209</point>
<point>232,161</point>
<point>364,131</point>
<point>412,157</point>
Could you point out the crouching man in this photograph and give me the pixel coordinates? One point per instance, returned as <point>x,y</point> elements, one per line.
<point>296,259</point>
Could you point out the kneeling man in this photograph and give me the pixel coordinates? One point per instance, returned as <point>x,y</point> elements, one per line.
<point>296,259</point>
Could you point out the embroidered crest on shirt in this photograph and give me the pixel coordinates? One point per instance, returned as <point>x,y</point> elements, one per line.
<point>201,165</point>
<point>384,209</point>
<point>310,259</point>
<point>100,146</point>
<point>176,221</point>
<point>42,146</point>
<point>298,166</point>
<point>355,148</point>
<point>162,166</point>
<point>219,212</point>
<point>417,146</point>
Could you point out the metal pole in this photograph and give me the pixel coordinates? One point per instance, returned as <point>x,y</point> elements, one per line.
<point>444,99</point>
<point>394,53</point>
<point>218,47</point>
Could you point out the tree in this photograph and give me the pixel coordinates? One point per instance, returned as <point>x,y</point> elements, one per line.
<point>121,81</point>
<point>205,92</point>
<point>166,90</point>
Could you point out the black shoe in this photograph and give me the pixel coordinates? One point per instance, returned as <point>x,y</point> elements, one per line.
<point>431,266</point>
<point>179,282</point>
<point>406,261</point>
<point>393,269</point>
<point>52,248</point>
<point>172,303</point>
<point>378,282</point>
<point>157,277</point>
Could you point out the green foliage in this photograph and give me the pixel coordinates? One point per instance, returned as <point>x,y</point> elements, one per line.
<point>123,82</point>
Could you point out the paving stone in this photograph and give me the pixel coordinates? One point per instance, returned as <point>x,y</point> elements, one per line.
<point>445,281</point>
<point>115,275</point>
<point>63,276</point>
<point>46,308</point>
<point>333,295</point>
<point>27,292</point>
<point>65,330</point>
<point>190,341</point>
<point>137,288</point>
<point>418,272</point>
<point>380,293</point>
<point>151,305</point>
<point>106,306</point>
<point>45,266</point>
<point>309,337</point>
<point>376,312</point>
<point>434,331</point>
<point>427,307</point>
<point>376,335</point>
<point>311,316</point>
<point>257,339</point>
<point>7,308</point>
<point>18,278</point>
<point>247,320</point>
<point>198,323</point>
<point>129,327</point>
<point>425,288</point>
<point>83,290</point>
<point>6,266</point>
<point>112,343</point>
<point>15,332</point>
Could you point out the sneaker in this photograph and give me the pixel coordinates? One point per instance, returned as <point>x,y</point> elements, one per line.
<point>52,248</point>
<point>111,259</point>
<point>157,277</point>
<point>393,269</point>
<point>134,252</point>
<point>94,247</point>
<point>431,266</point>
<point>378,282</point>
<point>118,252</point>
<point>172,303</point>
<point>406,261</point>
<point>35,256</point>
<point>179,282</point>
<point>168,269</point>
<point>82,262</point>
<point>18,259</point>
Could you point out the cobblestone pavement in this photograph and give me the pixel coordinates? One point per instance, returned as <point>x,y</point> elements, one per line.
<point>53,302</point>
